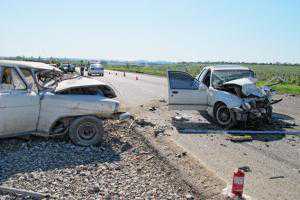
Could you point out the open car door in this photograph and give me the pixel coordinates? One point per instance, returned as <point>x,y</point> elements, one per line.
<point>185,92</point>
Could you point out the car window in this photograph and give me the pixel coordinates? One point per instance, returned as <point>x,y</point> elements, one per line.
<point>181,80</point>
<point>29,78</point>
<point>11,80</point>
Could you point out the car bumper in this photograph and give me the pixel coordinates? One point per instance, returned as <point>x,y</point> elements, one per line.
<point>96,72</point>
<point>244,115</point>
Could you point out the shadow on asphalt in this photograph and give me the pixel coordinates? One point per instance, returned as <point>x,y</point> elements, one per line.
<point>279,122</point>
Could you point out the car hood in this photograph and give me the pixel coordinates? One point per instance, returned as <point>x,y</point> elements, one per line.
<point>248,86</point>
<point>76,83</point>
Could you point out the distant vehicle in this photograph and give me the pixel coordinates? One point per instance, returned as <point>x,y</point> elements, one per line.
<point>36,98</point>
<point>228,93</point>
<point>96,69</point>
<point>67,68</point>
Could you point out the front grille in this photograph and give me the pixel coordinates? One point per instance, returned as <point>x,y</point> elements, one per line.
<point>261,103</point>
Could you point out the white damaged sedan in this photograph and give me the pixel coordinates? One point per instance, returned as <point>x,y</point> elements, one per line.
<point>35,98</point>
<point>228,93</point>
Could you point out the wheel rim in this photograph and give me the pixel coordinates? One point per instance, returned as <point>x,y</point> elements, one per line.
<point>223,115</point>
<point>87,131</point>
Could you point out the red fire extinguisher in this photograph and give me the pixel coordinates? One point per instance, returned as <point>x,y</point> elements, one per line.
<point>238,183</point>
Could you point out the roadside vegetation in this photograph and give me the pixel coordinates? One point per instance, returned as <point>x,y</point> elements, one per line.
<point>266,73</point>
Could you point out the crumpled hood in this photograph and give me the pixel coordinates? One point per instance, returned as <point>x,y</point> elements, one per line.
<point>248,86</point>
<point>76,83</point>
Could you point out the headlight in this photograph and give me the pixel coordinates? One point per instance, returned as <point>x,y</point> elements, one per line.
<point>246,106</point>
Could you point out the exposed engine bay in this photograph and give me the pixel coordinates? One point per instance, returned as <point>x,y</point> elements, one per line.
<point>256,101</point>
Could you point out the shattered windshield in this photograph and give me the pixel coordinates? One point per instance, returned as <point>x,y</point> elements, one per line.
<point>221,76</point>
<point>48,79</point>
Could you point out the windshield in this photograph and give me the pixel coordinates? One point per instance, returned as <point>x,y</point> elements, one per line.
<point>48,79</point>
<point>221,76</point>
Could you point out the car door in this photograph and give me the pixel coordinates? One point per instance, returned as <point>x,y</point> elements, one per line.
<point>186,92</point>
<point>19,106</point>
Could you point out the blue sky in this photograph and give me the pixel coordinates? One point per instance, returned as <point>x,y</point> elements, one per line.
<point>195,30</point>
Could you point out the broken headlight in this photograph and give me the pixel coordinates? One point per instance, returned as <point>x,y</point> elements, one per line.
<point>246,106</point>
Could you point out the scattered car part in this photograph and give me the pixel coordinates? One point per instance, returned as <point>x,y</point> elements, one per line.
<point>240,138</point>
<point>23,193</point>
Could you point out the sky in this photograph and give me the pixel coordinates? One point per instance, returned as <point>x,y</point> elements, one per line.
<point>171,30</point>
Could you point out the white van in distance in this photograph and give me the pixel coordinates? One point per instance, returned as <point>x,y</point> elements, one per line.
<point>96,69</point>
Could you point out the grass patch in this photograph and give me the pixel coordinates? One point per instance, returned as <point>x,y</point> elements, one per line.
<point>283,88</point>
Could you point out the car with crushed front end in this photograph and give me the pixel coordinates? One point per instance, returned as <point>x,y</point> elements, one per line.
<point>227,92</point>
<point>36,98</point>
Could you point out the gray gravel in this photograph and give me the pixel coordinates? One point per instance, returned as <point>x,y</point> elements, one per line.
<point>124,166</point>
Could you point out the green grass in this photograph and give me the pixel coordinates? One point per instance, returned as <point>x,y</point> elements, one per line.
<point>284,88</point>
<point>264,73</point>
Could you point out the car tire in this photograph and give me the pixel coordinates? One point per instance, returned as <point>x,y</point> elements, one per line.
<point>224,116</point>
<point>86,131</point>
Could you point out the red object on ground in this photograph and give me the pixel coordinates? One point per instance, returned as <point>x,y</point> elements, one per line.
<point>238,183</point>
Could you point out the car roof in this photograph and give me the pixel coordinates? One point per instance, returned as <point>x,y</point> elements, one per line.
<point>227,67</point>
<point>27,64</point>
<point>78,82</point>
<point>96,65</point>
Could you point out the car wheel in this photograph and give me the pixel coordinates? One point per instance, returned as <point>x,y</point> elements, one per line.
<point>224,116</point>
<point>86,131</point>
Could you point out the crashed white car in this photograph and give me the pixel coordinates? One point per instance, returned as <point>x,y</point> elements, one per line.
<point>228,93</point>
<point>37,98</point>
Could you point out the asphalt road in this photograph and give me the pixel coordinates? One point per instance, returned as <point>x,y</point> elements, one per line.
<point>279,158</point>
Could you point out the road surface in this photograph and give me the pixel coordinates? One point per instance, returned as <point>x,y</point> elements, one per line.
<point>279,158</point>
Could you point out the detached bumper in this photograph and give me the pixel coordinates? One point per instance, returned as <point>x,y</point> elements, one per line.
<point>244,115</point>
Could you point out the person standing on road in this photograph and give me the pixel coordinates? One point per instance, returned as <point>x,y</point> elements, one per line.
<point>82,68</point>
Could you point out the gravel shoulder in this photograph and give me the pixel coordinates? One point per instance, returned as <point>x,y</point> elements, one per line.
<point>126,166</point>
